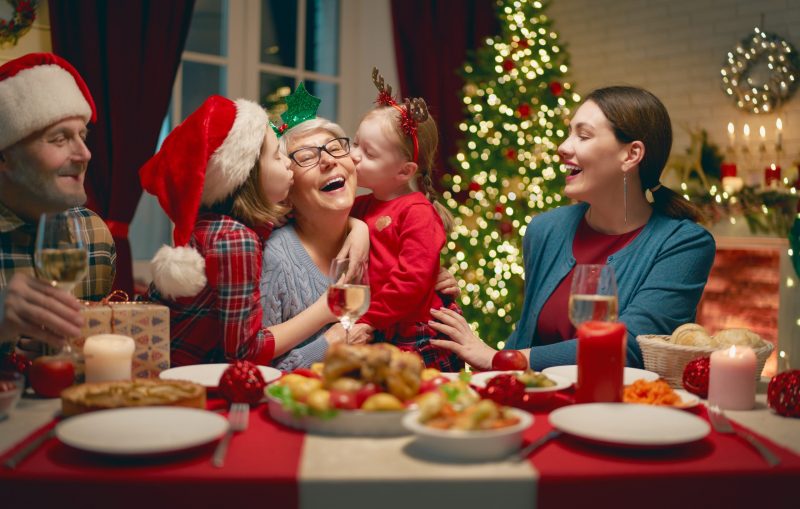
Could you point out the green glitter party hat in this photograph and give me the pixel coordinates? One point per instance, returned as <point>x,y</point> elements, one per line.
<point>300,106</point>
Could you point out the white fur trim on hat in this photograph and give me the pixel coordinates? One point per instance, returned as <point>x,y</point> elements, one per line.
<point>178,271</point>
<point>35,98</point>
<point>231,163</point>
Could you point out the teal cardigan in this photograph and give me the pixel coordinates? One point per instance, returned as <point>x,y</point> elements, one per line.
<point>660,279</point>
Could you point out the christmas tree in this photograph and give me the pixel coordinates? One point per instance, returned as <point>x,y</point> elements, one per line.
<point>516,102</point>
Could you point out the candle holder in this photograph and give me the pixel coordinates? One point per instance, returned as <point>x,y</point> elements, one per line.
<point>772,176</point>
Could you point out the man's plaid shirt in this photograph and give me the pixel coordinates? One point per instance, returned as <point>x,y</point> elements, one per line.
<point>223,321</point>
<point>18,239</point>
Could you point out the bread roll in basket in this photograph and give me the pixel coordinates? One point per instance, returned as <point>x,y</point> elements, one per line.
<point>669,355</point>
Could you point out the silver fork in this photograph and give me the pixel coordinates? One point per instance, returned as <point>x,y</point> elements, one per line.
<point>238,419</point>
<point>721,424</point>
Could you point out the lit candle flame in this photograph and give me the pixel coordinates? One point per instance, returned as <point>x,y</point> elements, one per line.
<point>730,127</point>
<point>763,132</point>
<point>779,124</point>
<point>747,130</point>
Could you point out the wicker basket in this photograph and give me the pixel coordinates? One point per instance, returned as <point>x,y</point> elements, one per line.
<point>669,360</point>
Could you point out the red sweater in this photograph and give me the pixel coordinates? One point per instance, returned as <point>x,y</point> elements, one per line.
<point>406,237</point>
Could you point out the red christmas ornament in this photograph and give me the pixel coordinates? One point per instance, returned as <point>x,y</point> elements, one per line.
<point>695,376</point>
<point>499,208</point>
<point>504,389</point>
<point>506,228</point>
<point>783,393</point>
<point>511,154</point>
<point>522,43</point>
<point>242,383</point>
<point>508,64</point>
<point>556,88</point>
<point>524,110</point>
<point>474,186</point>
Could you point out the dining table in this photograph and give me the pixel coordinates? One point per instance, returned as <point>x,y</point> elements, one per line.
<point>271,465</point>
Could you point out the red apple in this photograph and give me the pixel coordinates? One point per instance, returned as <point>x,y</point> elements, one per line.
<point>506,360</point>
<point>343,400</point>
<point>51,375</point>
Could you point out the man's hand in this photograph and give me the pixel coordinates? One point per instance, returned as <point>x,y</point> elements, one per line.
<point>34,309</point>
<point>361,334</point>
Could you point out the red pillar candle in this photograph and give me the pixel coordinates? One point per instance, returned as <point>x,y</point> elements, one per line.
<point>772,173</point>
<point>727,170</point>
<point>601,362</point>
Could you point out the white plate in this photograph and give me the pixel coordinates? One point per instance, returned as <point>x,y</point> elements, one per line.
<point>480,380</point>
<point>482,445</point>
<point>629,376</point>
<point>630,425</point>
<point>142,430</point>
<point>344,423</point>
<point>208,375</point>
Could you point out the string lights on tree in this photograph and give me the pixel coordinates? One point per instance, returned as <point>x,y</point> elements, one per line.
<point>516,102</point>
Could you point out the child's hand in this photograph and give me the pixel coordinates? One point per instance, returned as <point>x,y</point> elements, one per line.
<point>361,334</point>
<point>446,284</point>
<point>356,245</point>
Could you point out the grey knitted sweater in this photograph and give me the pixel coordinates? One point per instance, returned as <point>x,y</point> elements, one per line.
<point>290,282</point>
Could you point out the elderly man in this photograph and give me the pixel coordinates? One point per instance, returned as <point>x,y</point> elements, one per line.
<point>44,110</point>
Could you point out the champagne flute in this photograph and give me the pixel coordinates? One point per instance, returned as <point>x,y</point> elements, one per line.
<point>60,257</point>
<point>593,295</point>
<point>348,294</point>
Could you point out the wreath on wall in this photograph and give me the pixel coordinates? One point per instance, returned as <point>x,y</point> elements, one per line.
<point>19,23</point>
<point>761,72</point>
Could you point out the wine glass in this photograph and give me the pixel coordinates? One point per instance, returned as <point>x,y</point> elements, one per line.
<point>593,295</point>
<point>348,294</point>
<point>60,257</point>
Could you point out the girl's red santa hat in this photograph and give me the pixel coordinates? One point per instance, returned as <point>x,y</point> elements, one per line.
<point>202,161</point>
<point>36,91</point>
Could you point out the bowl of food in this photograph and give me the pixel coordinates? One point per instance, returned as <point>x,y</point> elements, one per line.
<point>11,386</point>
<point>539,387</point>
<point>360,390</point>
<point>480,430</point>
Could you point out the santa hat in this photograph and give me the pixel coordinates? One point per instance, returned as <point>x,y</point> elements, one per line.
<point>38,90</point>
<point>202,161</point>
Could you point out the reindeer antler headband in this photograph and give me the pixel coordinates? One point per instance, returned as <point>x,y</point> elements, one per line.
<point>412,112</point>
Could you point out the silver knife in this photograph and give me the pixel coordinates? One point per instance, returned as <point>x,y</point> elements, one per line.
<point>19,456</point>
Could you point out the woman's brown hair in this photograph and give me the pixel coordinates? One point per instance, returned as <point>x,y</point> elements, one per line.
<point>636,114</point>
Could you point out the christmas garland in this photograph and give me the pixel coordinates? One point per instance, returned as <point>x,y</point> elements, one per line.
<point>766,210</point>
<point>19,24</point>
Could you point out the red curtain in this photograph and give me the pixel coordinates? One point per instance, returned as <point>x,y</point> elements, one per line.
<point>432,39</point>
<point>128,52</point>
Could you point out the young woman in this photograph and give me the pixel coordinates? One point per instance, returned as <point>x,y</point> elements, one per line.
<point>619,141</point>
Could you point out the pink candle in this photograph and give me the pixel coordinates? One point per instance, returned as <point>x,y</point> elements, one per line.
<point>732,379</point>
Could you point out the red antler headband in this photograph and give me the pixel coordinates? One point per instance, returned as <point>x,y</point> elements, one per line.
<point>412,112</point>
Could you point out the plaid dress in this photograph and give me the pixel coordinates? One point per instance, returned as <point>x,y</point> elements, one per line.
<point>223,321</point>
<point>18,239</point>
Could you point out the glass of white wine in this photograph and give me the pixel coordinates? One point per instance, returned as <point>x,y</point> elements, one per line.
<point>348,294</point>
<point>61,257</point>
<point>593,295</point>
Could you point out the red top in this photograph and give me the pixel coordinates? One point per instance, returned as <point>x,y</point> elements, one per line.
<point>406,236</point>
<point>588,247</point>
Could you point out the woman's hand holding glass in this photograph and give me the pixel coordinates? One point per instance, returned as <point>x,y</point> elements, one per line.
<point>348,294</point>
<point>593,295</point>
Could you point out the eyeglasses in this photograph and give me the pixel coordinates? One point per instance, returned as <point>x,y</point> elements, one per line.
<point>307,157</point>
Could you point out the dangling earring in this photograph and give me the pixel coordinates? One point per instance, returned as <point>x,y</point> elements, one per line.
<point>625,194</point>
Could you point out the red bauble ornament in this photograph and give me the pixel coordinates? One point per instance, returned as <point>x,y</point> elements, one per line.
<point>556,88</point>
<point>511,154</point>
<point>499,208</point>
<point>522,43</point>
<point>508,64</point>
<point>783,393</point>
<point>506,228</point>
<point>504,389</point>
<point>474,186</point>
<point>242,383</point>
<point>695,376</point>
<point>524,110</point>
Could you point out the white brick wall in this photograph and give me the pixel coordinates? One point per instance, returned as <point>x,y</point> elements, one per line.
<point>675,48</point>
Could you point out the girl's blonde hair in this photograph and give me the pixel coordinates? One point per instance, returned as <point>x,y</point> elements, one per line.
<point>427,143</point>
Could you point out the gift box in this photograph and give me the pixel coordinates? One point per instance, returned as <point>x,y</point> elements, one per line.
<point>145,322</point>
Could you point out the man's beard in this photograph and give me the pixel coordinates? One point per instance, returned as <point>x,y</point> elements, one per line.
<point>43,188</point>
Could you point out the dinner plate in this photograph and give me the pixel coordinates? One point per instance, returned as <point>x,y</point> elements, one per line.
<point>629,425</point>
<point>142,430</point>
<point>208,375</point>
<point>629,376</point>
<point>561,382</point>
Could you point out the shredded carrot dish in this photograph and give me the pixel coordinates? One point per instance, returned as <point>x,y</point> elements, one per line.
<point>651,393</point>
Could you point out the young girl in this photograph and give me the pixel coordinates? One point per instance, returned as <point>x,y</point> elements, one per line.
<point>219,176</point>
<point>394,150</point>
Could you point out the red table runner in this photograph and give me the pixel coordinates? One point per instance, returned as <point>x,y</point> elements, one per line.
<point>718,471</point>
<point>261,465</point>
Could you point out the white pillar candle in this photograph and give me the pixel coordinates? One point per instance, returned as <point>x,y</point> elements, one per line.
<point>732,378</point>
<point>108,357</point>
